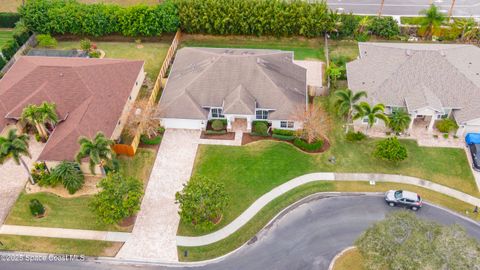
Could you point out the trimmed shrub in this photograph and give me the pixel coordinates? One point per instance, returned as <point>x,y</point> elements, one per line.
<point>446,125</point>
<point>309,147</point>
<point>9,49</point>
<point>283,132</point>
<point>215,132</point>
<point>385,27</point>
<point>69,174</point>
<point>390,149</point>
<point>2,63</point>
<point>260,128</point>
<point>284,137</point>
<point>355,136</point>
<point>202,201</point>
<point>218,124</point>
<point>46,41</point>
<point>40,173</point>
<point>94,54</point>
<point>36,208</point>
<point>348,25</point>
<point>150,141</point>
<point>8,19</point>
<point>21,33</point>
<point>85,44</point>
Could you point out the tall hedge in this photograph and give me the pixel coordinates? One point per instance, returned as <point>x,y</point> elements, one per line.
<point>254,17</point>
<point>8,19</point>
<point>72,17</point>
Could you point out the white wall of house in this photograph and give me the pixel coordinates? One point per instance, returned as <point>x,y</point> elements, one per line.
<point>183,123</point>
<point>277,124</point>
<point>128,105</point>
<point>472,126</point>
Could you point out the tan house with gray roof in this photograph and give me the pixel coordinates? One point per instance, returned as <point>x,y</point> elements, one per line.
<point>431,81</point>
<point>234,84</point>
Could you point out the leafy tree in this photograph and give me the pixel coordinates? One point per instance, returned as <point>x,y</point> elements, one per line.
<point>98,150</point>
<point>334,72</point>
<point>371,113</point>
<point>385,27</point>
<point>69,174</point>
<point>119,198</point>
<point>315,121</point>
<point>15,146</point>
<point>432,22</point>
<point>142,114</point>
<point>202,201</point>
<point>402,241</point>
<point>399,120</point>
<point>390,149</point>
<point>345,100</point>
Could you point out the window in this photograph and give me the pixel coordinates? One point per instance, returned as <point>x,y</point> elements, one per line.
<point>365,120</point>
<point>261,114</point>
<point>286,124</point>
<point>217,113</point>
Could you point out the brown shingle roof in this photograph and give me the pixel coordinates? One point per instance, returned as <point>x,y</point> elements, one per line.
<point>90,95</point>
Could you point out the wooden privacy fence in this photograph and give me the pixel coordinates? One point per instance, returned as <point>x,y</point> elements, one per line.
<point>131,149</point>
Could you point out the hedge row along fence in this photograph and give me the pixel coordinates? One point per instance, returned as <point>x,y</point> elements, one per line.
<point>8,19</point>
<point>20,35</point>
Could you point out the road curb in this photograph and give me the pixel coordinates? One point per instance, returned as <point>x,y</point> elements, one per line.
<point>332,263</point>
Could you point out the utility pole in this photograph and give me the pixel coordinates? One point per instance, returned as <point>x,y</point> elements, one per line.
<point>381,8</point>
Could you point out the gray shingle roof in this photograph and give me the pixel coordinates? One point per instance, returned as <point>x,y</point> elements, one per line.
<point>236,79</point>
<point>431,75</point>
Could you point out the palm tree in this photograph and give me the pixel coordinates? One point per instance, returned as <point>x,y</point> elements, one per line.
<point>98,151</point>
<point>30,115</point>
<point>15,146</point>
<point>399,120</point>
<point>345,101</point>
<point>363,24</point>
<point>381,8</point>
<point>468,27</point>
<point>450,11</point>
<point>48,114</point>
<point>432,21</point>
<point>371,113</point>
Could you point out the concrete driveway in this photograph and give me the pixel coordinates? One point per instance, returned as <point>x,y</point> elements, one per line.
<point>13,178</point>
<point>154,234</point>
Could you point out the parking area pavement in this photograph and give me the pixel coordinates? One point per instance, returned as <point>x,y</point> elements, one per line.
<point>14,177</point>
<point>154,233</point>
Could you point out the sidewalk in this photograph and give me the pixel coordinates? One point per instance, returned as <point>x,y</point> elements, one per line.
<point>307,178</point>
<point>64,233</point>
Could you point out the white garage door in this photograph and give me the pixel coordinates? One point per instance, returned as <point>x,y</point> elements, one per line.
<point>183,123</point>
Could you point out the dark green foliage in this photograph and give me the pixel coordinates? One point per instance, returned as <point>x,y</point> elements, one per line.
<point>385,27</point>
<point>69,174</point>
<point>8,19</point>
<point>202,201</point>
<point>446,125</point>
<point>120,198</point>
<point>284,132</point>
<point>94,54</point>
<point>254,17</point>
<point>2,63</point>
<point>9,49</point>
<point>260,128</point>
<point>284,137</point>
<point>218,124</point>
<point>36,208</point>
<point>40,173</point>
<point>71,17</point>
<point>355,136</point>
<point>46,41</point>
<point>309,147</point>
<point>348,24</point>
<point>340,61</point>
<point>85,44</point>
<point>21,33</point>
<point>150,141</point>
<point>390,149</point>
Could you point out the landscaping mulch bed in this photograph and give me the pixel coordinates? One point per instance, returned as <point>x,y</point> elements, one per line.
<point>249,138</point>
<point>127,222</point>
<point>226,136</point>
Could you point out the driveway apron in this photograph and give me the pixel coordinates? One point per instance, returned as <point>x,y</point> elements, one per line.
<point>154,234</point>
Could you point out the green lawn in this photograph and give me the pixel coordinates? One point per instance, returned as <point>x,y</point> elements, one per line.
<point>5,35</point>
<point>261,219</point>
<point>138,166</point>
<point>59,245</point>
<point>350,260</point>
<point>303,48</point>
<point>153,53</point>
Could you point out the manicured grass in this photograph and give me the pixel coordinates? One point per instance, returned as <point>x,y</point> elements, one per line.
<point>411,20</point>
<point>59,245</point>
<point>350,260</point>
<point>303,48</point>
<point>260,220</point>
<point>5,35</point>
<point>153,53</point>
<point>138,166</point>
<point>347,48</point>
<point>71,213</point>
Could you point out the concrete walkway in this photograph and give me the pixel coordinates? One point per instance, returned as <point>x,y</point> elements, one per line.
<point>13,178</point>
<point>64,233</point>
<point>154,233</point>
<point>307,178</point>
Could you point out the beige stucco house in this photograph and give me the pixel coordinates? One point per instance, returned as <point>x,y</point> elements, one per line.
<point>91,95</point>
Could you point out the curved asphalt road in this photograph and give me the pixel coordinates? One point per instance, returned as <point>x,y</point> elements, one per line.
<point>307,236</point>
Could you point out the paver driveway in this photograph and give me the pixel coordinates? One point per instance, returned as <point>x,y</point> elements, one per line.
<point>14,177</point>
<point>154,234</point>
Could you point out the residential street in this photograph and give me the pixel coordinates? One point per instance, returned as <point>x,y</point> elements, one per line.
<point>308,237</point>
<point>405,7</point>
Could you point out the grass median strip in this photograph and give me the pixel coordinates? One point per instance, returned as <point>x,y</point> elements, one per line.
<point>350,260</point>
<point>59,245</point>
<point>273,208</point>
